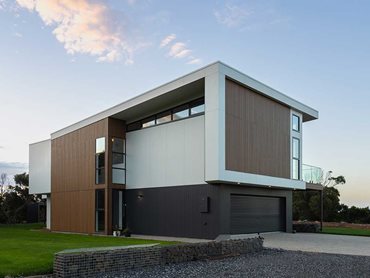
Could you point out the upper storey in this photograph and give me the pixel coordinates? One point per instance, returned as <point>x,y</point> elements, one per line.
<point>245,135</point>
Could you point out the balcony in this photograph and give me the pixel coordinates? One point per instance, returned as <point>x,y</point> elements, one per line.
<point>312,174</point>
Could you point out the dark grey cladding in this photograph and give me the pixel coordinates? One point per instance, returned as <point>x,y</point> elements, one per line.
<point>194,211</point>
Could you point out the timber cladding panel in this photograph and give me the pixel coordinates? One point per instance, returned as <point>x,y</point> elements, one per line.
<point>73,179</point>
<point>257,133</point>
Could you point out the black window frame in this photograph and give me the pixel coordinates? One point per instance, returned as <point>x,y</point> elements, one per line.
<point>137,125</point>
<point>299,123</point>
<point>99,210</point>
<point>124,161</point>
<point>100,170</point>
<point>296,158</point>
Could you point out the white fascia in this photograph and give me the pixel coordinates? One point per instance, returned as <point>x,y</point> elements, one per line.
<point>215,132</point>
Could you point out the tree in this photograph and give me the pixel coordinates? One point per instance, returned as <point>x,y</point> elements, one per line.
<point>306,204</point>
<point>16,199</point>
<point>3,180</point>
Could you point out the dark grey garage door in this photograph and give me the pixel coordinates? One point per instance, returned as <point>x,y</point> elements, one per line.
<point>252,214</point>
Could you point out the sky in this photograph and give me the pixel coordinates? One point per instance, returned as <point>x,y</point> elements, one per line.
<point>64,60</point>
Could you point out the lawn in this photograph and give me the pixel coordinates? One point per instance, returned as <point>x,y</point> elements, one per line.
<point>25,249</point>
<point>346,231</point>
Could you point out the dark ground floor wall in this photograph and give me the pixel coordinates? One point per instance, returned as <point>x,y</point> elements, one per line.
<point>181,211</point>
<point>195,211</point>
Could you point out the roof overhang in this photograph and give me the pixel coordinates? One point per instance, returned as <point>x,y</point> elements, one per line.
<point>186,87</point>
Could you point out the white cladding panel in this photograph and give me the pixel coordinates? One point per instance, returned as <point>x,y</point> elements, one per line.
<point>166,155</point>
<point>40,167</point>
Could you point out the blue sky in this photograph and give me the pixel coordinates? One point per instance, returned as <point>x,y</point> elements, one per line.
<point>63,60</point>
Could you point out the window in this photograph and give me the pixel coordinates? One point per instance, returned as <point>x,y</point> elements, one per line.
<point>193,108</point>
<point>99,210</point>
<point>295,123</point>
<point>180,112</point>
<point>100,160</point>
<point>149,122</point>
<point>296,159</point>
<point>118,161</point>
<point>164,117</point>
<point>197,107</point>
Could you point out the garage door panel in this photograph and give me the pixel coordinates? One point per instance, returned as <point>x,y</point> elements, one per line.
<point>251,214</point>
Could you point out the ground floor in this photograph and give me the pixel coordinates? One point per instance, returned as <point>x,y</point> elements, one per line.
<point>268,263</point>
<point>207,211</point>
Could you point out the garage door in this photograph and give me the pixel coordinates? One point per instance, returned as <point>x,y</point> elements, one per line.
<point>252,214</point>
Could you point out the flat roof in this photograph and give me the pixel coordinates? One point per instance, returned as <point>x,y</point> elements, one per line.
<point>308,112</point>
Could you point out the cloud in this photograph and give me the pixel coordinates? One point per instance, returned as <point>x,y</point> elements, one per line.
<point>194,61</point>
<point>2,147</point>
<point>167,40</point>
<point>84,26</point>
<point>231,15</point>
<point>18,35</point>
<point>179,50</point>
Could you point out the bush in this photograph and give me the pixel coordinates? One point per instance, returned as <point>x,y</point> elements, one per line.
<point>306,227</point>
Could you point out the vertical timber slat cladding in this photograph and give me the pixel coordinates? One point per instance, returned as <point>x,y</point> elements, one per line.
<point>257,133</point>
<point>73,179</point>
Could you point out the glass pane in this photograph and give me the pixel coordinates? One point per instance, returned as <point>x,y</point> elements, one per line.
<point>181,112</point>
<point>100,160</point>
<point>197,109</point>
<point>295,169</point>
<point>100,176</point>
<point>296,150</point>
<point>149,122</point>
<point>197,106</point>
<point>295,123</point>
<point>100,221</point>
<point>118,176</point>
<point>118,145</point>
<point>118,160</point>
<point>99,199</point>
<point>164,117</point>
<point>100,145</point>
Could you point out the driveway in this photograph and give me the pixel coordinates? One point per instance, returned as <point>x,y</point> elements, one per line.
<point>322,243</point>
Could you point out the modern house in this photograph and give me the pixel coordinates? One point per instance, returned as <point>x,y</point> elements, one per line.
<point>212,153</point>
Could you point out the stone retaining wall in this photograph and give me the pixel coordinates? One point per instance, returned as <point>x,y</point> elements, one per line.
<point>93,262</point>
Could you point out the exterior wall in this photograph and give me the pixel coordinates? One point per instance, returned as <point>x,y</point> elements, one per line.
<point>225,195</point>
<point>166,155</point>
<point>40,167</point>
<point>174,211</point>
<point>73,179</point>
<point>257,133</point>
<point>268,165</point>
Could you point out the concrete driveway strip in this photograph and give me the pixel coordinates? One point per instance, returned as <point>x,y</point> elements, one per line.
<point>323,243</point>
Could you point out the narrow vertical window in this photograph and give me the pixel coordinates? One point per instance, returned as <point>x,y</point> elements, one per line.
<point>296,159</point>
<point>296,123</point>
<point>100,161</point>
<point>99,210</point>
<point>118,161</point>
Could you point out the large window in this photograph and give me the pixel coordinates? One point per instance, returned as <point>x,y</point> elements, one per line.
<point>99,210</point>
<point>192,108</point>
<point>118,161</point>
<point>296,158</point>
<point>100,160</point>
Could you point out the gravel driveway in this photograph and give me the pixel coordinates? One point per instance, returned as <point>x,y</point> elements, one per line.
<point>268,263</point>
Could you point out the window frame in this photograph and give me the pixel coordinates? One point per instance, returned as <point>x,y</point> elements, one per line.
<point>294,116</point>
<point>97,166</point>
<point>99,210</point>
<point>124,161</point>
<point>137,125</point>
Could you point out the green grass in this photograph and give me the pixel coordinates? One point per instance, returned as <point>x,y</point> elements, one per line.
<point>27,250</point>
<point>346,231</point>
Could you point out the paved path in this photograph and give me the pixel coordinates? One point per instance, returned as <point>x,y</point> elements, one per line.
<point>323,243</point>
